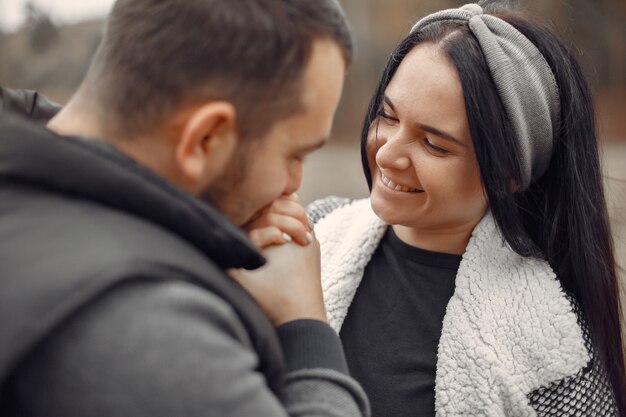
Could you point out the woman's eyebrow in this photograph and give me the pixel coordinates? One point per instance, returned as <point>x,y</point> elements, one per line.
<point>389,102</point>
<point>441,134</point>
<point>427,128</point>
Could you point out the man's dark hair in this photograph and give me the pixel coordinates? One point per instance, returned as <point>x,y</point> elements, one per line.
<point>157,55</point>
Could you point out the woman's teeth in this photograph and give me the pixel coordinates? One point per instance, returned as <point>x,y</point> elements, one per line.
<point>397,187</point>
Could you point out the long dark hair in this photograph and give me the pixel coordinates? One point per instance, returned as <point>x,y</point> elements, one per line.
<point>561,217</point>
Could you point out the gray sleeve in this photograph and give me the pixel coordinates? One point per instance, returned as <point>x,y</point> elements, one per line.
<point>167,349</point>
<point>318,209</point>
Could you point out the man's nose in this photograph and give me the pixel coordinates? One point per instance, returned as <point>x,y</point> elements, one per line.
<point>295,179</point>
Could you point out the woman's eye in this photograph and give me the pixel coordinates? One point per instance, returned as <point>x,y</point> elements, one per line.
<point>436,149</point>
<point>383,115</point>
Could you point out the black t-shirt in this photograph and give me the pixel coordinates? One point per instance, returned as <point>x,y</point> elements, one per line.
<point>393,326</point>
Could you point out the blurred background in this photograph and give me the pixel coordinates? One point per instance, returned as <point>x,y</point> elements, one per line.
<point>46,45</point>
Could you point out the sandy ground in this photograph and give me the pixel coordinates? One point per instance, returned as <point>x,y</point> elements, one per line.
<point>336,170</point>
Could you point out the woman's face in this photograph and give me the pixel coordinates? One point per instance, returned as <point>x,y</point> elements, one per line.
<point>424,169</point>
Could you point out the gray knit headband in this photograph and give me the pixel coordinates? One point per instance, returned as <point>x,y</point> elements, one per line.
<point>523,79</point>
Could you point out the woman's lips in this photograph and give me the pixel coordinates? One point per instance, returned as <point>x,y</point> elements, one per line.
<point>398,187</point>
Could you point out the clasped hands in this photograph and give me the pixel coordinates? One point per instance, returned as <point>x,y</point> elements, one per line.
<point>288,287</point>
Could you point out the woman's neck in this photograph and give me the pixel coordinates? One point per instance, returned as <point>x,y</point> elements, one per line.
<point>452,240</point>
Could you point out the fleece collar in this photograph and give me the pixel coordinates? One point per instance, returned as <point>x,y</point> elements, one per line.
<point>508,330</point>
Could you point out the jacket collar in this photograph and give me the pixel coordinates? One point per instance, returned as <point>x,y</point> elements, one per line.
<point>96,171</point>
<point>27,103</point>
<point>509,324</point>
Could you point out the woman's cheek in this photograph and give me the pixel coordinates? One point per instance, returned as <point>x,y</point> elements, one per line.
<point>371,149</point>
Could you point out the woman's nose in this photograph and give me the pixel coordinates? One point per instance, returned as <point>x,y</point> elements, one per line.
<point>391,154</point>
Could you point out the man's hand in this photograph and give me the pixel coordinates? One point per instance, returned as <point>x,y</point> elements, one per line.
<point>283,221</point>
<point>288,287</point>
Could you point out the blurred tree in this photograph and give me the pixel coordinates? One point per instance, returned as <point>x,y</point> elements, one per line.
<point>588,32</point>
<point>42,32</point>
<point>616,34</point>
<point>2,38</point>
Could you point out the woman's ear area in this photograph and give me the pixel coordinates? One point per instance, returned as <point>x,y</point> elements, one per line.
<point>207,141</point>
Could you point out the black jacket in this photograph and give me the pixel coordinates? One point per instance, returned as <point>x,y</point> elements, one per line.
<point>27,103</point>
<point>79,217</point>
<point>79,221</point>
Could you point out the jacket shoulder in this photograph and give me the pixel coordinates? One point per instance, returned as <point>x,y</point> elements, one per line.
<point>66,252</point>
<point>510,323</point>
<point>587,393</point>
<point>28,103</point>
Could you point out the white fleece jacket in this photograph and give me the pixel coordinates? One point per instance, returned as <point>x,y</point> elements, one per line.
<point>509,328</point>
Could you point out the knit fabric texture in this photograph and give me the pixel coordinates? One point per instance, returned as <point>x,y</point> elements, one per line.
<point>523,78</point>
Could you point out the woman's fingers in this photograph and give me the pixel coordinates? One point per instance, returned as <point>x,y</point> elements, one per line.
<point>287,224</point>
<point>293,197</point>
<point>268,236</point>
<point>288,286</point>
<point>283,221</point>
<point>292,208</point>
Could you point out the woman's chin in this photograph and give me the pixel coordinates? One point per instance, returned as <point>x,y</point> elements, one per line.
<point>387,211</point>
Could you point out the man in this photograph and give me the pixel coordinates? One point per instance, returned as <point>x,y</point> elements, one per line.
<point>113,295</point>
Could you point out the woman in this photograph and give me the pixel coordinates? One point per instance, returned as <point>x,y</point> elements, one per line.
<point>479,277</point>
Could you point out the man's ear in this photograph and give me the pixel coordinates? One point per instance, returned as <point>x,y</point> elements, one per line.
<point>208,141</point>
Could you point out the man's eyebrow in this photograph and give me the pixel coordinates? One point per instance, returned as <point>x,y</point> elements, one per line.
<point>314,146</point>
<point>430,129</point>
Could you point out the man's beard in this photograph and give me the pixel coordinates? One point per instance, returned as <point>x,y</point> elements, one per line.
<point>225,191</point>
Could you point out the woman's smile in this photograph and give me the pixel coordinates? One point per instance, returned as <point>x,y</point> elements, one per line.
<point>393,186</point>
<point>416,185</point>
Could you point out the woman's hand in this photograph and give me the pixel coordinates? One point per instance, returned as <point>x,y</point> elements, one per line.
<point>289,286</point>
<point>285,220</point>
